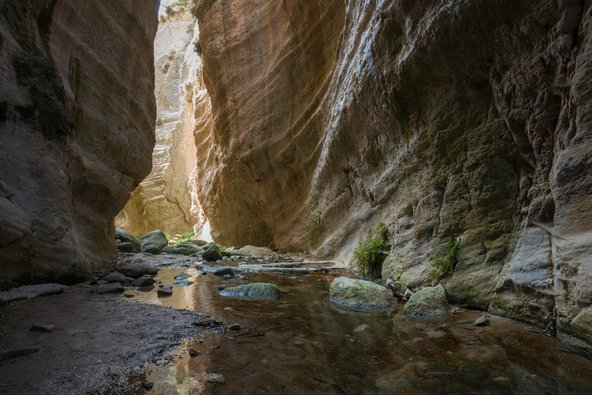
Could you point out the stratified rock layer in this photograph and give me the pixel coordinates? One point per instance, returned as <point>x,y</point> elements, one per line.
<point>463,118</point>
<point>76,131</point>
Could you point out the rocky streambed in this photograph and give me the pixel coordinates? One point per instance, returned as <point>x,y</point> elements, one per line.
<point>266,325</point>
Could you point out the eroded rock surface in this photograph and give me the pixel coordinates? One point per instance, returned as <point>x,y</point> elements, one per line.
<point>76,131</point>
<point>167,197</point>
<point>439,118</point>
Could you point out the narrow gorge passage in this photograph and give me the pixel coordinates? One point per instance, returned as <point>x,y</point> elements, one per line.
<point>300,197</point>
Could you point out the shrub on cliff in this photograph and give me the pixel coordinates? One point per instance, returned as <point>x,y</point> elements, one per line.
<point>445,261</point>
<point>370,255</point>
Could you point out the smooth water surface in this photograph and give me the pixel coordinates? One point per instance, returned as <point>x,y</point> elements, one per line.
<point>301,344</point>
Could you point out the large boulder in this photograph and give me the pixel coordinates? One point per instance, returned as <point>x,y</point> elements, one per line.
<point>183,248</point>
<point>135,270</point>
<point>253,290</point>
<point>428,302</point>
<point>213,253</point>
<point>360,295</point>
<point>153,242</point>
<point>122,236</point>
<point>249,250</point>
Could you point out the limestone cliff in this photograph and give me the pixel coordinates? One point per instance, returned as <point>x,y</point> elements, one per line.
<point>167,198</point>
<point>466,118</point>
<point>76,130</point>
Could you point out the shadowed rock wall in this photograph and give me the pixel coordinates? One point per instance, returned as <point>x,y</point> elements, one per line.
<point>76,130</point>
<point>468,118</point>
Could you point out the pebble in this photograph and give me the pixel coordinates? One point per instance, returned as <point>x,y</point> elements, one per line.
<point>443,328</point>
<point>147,385</point>
<point>143,281</point>
<point>114,277</point>
<point>215,378</point>
<point>224,272</point>
<point>43,328</point>
<point>221,287</point>
<point>482,321</point>
<point>193,353</point>
<point>234,327</point>
<point>361,328</point>
<point>165,290</point>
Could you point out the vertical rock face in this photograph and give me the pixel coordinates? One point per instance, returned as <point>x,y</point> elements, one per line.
<point>76,130</point>
<point>462,118</point>
<point>167,198</point>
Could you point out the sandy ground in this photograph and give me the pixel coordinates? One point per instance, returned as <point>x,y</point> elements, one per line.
<point>99,339</point>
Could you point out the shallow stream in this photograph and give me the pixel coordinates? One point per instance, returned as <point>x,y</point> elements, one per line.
<point>301,344</point>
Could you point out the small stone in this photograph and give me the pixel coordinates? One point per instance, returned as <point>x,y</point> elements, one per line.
<point>147,385</point>
<point>193,353</point>
<point>129,295</point>
<point>457,311</point>
<point>136,270</point>
<point>221,287</point>
<point>481,321</point>
<point>165,290</point>
<point>234,327</point>
<point>299,343</point>
<point>264,362</point>
<point>114,277</point>
<point>215,378</point>
<point>408,294</point>
<point>227,276</point>
<point>443,328</point>
<point>43,328</point>
<point>125,247</point>
<point>224,272</point>
<point>361,328</point>
<point>144,281</point>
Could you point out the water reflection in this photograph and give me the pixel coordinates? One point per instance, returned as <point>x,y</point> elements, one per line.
<point>302,344</point>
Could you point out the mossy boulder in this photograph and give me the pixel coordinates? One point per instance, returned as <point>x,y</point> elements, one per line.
<point>427,302</point>
<point>212,253</point>
<point>122,236</point>
<point>253,290</point>
<point>183,248</point>
<point>360,295</point>
<point>153,242</point>
<point>126,247</point>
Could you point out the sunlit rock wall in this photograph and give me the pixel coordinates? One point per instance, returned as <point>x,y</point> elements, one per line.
<point>77,119</point>
<point>465,118</point>
<point>167,198</point>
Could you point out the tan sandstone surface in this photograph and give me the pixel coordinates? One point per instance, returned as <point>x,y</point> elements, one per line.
<point>441,118</point>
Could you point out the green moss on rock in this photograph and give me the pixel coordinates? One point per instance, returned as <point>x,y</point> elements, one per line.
<point>360,295</point>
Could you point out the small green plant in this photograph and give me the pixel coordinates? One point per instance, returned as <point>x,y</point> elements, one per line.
<point>186,236</point>
<point>169,10</point>
<point>370,255</point>
<point>444,263</point>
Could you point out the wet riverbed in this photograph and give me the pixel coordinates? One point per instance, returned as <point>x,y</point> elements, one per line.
<point>301,344</point>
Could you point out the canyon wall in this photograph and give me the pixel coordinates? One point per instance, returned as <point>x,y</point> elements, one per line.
<point>467,118</point>
<point>77,118</point>
<point>167,198</point>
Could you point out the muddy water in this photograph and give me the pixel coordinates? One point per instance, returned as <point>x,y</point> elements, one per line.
<point>301,344</point>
